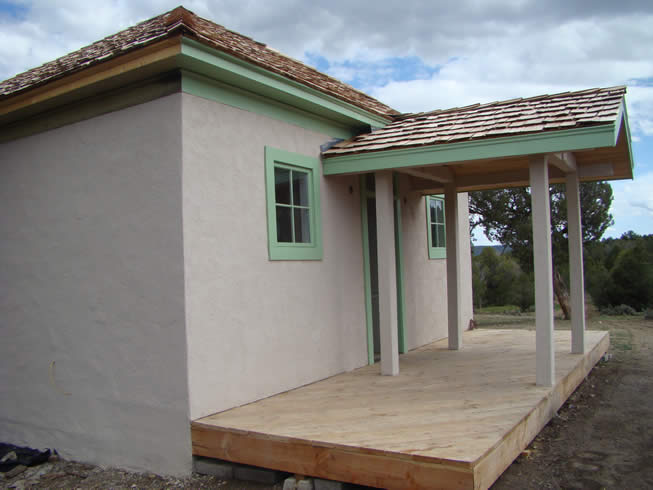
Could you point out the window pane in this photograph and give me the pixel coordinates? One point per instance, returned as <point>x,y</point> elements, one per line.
<point>282,185</point>
<point>439,207</point>
<point>441,236</point>
<point>434,235</point>
<point>284,225</point>
<point>302,226</point>
<point>432,204</point>
<point>300,188</point>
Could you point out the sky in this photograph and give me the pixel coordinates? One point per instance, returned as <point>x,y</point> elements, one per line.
<point>412,55</point>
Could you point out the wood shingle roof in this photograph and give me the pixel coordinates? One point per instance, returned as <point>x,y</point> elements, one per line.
<point>566,110</point>
<point>181,21</point>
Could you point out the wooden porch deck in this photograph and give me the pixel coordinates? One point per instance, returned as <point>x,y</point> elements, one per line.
<point>451,419</point>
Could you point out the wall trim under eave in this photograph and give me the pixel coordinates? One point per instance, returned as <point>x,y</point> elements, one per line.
<point>207,88</point>
<point>196,57</point>
<point>90,107</point>
<point>548,142</point>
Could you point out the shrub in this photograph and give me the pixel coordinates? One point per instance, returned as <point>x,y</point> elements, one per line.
<point>631,278</point>
<point>620,310</point>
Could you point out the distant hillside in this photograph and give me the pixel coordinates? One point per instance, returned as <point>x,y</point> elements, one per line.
<point>499,249</point>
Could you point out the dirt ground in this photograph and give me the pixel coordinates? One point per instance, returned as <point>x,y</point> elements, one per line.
<point>601,438</point>
<point>603,435</point>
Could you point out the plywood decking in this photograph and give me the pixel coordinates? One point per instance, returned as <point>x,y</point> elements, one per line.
<point>451,419</point>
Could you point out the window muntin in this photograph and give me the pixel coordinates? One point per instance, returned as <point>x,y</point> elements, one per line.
<point>293,202</point>
<point>436,228</point>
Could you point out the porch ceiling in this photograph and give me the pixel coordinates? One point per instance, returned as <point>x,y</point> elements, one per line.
<point>489,146</point>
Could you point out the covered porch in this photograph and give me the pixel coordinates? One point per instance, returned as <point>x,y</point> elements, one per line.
<point>567,138</point>
<point>447,420</point>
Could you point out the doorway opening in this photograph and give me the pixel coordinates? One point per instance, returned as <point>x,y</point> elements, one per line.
<point>371,270</point>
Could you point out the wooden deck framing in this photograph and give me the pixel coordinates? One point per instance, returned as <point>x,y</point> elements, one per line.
<point>451,419</point>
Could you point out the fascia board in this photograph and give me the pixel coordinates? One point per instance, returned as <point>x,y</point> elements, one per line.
<point>210,62</point>
<point>549,142</point>
<point>623,121</point>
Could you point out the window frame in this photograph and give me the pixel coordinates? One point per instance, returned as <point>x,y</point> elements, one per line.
<point>311,250</point>
<point>435,252</point>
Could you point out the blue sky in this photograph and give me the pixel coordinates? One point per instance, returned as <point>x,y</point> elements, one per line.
<point>412,55</point>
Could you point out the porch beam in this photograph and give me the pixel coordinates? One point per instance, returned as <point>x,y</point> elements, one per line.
<point>576,281</point>
<point>509,178</point>
<point>499,180</point>
<point>541,215</point>
<point>454,316</point>
<point>597,170</point>
<point>565,161</point>
<point>387,273</point>
<point>518,177</point>
<point>442,175</point>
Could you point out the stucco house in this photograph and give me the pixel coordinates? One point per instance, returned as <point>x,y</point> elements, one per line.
<point>193,221</point>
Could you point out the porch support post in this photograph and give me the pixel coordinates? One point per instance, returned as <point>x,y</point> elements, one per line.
<point>453,267</point>
<point>577,287</point>
<point>541,211</point>
<point>385,233</point>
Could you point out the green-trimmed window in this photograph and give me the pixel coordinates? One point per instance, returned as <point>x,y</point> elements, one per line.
<point>436,230</point>
<point>293,206</point>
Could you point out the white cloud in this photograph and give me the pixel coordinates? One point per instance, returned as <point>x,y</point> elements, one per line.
<point>468,51</point>
<point>632,207</point>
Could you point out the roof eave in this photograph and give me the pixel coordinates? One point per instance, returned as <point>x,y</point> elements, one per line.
<point>182,49</point>
<point>144,62</point>
<point>205,60</point>
<point>583,138</point>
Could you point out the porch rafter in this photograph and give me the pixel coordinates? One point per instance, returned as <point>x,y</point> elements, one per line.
<point>518,177</point>
<point>436,174</point>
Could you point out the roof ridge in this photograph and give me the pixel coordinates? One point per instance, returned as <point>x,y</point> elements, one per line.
<point>437,112</point>
<point>204,31</point>
<point>274,50</point>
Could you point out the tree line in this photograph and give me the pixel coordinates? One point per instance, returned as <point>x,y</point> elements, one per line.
<point>617,271</point>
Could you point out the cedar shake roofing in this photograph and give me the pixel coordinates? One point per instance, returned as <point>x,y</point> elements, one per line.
<point>182,21</point>
<point>566,110</point>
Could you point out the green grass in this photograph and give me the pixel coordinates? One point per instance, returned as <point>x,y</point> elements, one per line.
<point>620,327</point>
<point>621,340</point>
<point>501,310</point>
<point>485,320</point>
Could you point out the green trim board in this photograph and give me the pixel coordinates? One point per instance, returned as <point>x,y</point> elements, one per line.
<point>293,250</point>
<point>439,250</point>
<point>619,120</point>
<point>367,281</point>
<point>208,61</point>
<point>207,88</point>
<point>626,127</point>
<point>547,142</point>
<point>399,264</point>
